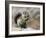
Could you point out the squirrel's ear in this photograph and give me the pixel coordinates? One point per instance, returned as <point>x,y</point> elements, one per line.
<point>16,17</point>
